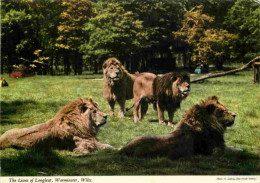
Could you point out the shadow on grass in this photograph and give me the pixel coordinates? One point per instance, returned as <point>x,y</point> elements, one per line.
<point>9,109</point>
<point>242,163</point>
<point>29,162</point>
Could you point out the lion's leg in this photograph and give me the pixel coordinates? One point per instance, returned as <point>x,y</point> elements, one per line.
<point>171,115</point>
<point>136,109</point>
<point>160,114</point>
<point>112,106</point>
<point>121,108</point>
<point>104,146</point>
<point>84,146</point>
<point>144,108</point>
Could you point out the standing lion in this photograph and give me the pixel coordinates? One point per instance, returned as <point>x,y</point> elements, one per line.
<point>118,85</point>
<point>75,127</point>
<point>166,92</point>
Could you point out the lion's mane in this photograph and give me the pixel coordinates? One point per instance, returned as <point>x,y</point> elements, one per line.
<point>162,88</point>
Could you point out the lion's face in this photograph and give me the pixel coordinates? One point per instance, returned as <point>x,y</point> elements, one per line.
<point>113,73</point>
<point>225,118</point>
<point>184,89</point>
<point>93,114</point>
<point>181,88</point>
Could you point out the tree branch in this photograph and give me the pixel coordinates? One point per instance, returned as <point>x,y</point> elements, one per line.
<point>224,73</point>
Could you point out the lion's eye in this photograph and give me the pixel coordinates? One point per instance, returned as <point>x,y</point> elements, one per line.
<point>94,111</point>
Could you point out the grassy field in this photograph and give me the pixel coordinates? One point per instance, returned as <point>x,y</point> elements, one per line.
<point>29,101</point>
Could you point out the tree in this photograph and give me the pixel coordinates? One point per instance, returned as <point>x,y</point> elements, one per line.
<point>243,20</point>
<point>206,44</point>
<point>159,18</point>
<point>17,34</point>
<point>70,30</point>
<point>28,25</point>
<point>113,31</point>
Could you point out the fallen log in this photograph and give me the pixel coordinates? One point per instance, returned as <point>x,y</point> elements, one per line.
<point>214,75</point>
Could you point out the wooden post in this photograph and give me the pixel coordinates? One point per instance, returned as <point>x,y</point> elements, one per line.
<point>256,68</point>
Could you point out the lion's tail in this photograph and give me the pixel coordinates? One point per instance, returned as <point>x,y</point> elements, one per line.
<point>128,108</point>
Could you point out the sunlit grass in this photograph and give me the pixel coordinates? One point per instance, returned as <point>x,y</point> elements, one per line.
<point>29,101</point>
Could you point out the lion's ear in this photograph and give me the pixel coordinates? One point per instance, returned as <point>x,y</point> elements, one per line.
<point>211,108</point>
<point>104,65</point>
<point>83,108</point>
<point>214,98</point>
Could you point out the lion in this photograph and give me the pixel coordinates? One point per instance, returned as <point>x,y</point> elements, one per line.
<point>166,92</point>
<point>74,127</point>
<point>3,82</point>
<point>199,132</point>
<point>118,85</point>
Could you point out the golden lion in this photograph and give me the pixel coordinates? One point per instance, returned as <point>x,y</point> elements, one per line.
<point>199,132</point>
<point>75,127</point>
<point>118,85</point>
<point>166,92</point>
<point>3,82</point>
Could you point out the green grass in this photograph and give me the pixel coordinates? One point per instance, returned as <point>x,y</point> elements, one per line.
<point>29,101</point>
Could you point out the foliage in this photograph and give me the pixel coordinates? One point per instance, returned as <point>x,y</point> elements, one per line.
<point>206,43</point>
<point>75,15</point>
<point>26,26</point>
<point>213,45</point>
<point>113,31</point>
<point>243,20</point>
<point>137,32</point>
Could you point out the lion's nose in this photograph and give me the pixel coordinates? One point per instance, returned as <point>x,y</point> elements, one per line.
<point>234,115</point>
<point>105,116</point>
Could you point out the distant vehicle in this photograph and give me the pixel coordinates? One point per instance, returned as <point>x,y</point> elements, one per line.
<point>21,72</point>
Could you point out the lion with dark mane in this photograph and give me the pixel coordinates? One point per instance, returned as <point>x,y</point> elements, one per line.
<point>199,132</point>
<point>118,85</point>
<point>166,92</point>
<point>75,127</point>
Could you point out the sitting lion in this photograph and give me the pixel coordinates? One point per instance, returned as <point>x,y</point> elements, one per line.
<point>199,132</point>
<point>118,85</point>
<point>75,127</point>
<point>166,92</point>
<point>3,82</point>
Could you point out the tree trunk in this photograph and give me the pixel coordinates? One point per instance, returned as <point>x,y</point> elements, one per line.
<point>184,56</point>
<point>80,67</point>
<point>66,63</point>
<point>219,64</point>
<point>2,67</point>
<point>51,64</point>
<point>95,67</point>
<point>10,62</point>
<point>224,73</point>
<point>75,63</point>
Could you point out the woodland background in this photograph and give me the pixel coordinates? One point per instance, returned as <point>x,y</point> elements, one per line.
<point>56,37</point>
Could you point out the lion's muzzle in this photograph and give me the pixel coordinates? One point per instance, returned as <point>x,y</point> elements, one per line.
<point>104,121</point>
<point>230,123</point>
<point>114,77</point>
<point>185,92</point>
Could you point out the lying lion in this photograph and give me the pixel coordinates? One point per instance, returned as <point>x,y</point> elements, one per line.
<point>118,85</point>
<point>75,127</point>
<point>199,132</point>
<point>166,92</point>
